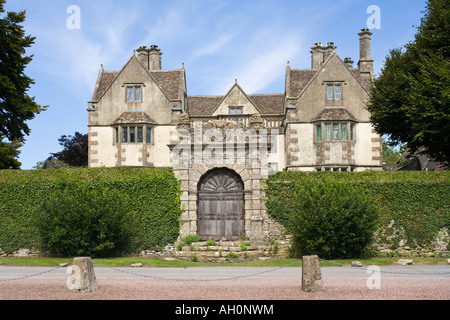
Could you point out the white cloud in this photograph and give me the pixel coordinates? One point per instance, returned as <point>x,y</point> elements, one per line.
<point>213,47</point>
<point>262,66</point>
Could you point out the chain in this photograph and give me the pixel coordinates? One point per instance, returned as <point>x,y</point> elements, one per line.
<point>198,280</point>
<point>382,271</point>
<point>37,274</point>
<point>220,279</point>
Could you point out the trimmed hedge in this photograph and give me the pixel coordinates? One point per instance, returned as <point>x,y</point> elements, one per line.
<point>152,198</point>
<point>332,220</point>
<point>417,202</point>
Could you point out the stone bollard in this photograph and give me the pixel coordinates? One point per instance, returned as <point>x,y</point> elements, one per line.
<point>82,277</point>
<point>311,274</point>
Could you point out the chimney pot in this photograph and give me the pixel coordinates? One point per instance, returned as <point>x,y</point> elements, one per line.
<point>348,62</point>
<point>328,50</point>
<point>150,57</point>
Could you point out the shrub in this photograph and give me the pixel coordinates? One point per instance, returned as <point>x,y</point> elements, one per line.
<point>192,238</point>
<point>415,203</point>
<point>152,197</point>
<point>332,220</point>
<point>84,221</point>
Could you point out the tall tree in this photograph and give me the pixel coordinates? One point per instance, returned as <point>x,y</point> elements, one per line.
<point>16,106</point>
<point>411,98</point>
<point>75,150</point>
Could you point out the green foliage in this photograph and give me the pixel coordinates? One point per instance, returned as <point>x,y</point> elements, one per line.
<point>332,219</point>
<point>188,241</point>
<point>417,202</point>
<point>390,155</point>
<point>85,221</point>
<point>410,100</point>
<point>151,196</point>
<point>192,238</point>
<point>16,107</point>
<point>9,152</point>
<point>75,150</point>
<point>244,247</point>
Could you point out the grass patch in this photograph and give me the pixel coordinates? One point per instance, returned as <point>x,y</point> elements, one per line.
<point>162,263</point>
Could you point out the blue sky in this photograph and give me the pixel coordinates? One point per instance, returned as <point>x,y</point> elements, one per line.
<point>217,40</point>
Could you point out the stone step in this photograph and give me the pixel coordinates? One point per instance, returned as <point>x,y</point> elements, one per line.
<point>224,246</point>
<point>224,256</point>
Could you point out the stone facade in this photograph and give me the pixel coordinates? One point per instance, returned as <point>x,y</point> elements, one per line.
<point>142,116</point>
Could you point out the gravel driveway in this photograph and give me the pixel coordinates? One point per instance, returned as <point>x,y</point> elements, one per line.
<point>262,284</point>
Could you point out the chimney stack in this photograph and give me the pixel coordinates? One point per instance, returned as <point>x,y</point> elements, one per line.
<point>348,62</point>
<point>328,50</point>
<point>150,57</point>
<point>317,56</point>
<point>365,63</point>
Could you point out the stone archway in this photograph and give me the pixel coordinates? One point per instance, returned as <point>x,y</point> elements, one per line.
<point>220,205</point>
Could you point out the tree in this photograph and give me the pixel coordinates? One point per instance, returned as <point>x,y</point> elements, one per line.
<point>9,151</point>
<point>390,155</point>
<point>16,107</point>
<point>75,150</point>
<point>410,100</point>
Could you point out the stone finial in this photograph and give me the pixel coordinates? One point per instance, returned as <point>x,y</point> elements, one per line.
<point>256,121</point>
<point>311,274</point>
<point>184,122</point>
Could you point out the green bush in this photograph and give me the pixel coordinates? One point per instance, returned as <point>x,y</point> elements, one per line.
<point>151,197</point>
<point>417,203</point>
<point>333,220</point>
<point>85,221</point>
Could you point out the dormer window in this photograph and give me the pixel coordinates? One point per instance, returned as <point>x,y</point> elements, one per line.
<point>134,93</point>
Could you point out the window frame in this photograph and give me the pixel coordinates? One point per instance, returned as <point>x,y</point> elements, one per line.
<point>235,108</point>
<point>334,131</point>
<point>133,134</point>
<point>133,93</point>
<point>333,94</point>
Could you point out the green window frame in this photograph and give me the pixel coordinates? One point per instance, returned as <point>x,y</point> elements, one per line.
<point>140,134</point>
<point>148,135</point>
<point>124,134</point>
<point>318,132</point>
<point>343,131</point>
<point>327,132</point>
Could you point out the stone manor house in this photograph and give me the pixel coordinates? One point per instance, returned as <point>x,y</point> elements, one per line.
<point>137,116</point>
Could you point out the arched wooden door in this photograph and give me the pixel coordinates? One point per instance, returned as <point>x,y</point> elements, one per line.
<point>220,207</point>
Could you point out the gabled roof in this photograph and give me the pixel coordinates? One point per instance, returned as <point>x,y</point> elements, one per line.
<point>169,81</point>
<point>236,85</point>
<point>300,79</point>
<point>266,104</point>
<point>104,80</point>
